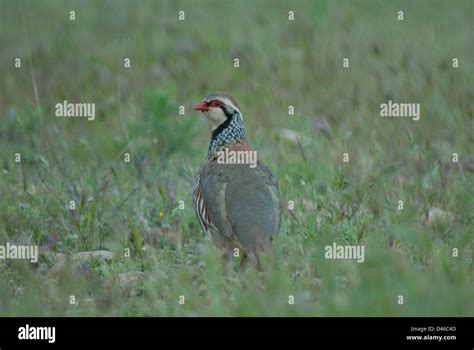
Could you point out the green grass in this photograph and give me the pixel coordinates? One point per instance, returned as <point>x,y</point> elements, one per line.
<point>134,206</point>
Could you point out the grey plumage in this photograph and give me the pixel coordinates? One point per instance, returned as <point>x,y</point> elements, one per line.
<point>243,203</point>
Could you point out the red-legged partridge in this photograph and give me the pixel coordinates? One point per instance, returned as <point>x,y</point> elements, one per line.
<point>238,204</point>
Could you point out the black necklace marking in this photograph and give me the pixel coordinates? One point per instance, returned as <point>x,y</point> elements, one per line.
<point>230,131</point>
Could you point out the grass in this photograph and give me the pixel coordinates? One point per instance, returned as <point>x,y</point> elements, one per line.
<point>132,209</point>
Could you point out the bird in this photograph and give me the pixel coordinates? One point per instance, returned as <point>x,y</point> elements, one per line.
<point>237,204</point>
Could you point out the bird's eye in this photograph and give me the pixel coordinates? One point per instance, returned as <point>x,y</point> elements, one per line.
<point>216,103</point>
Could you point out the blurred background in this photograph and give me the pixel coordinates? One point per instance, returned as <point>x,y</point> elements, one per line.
<point>282,63</point>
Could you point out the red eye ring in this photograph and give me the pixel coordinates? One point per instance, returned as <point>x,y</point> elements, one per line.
<point>215,103</point>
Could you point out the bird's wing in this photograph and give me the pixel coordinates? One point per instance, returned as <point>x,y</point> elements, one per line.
<point>213,184</point>
<point>253,205</point>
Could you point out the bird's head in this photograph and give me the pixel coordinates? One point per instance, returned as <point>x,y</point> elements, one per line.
<point>227,122</point>
<point>219,108</point>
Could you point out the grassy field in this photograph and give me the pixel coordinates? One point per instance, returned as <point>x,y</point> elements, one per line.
<point>135,207</point>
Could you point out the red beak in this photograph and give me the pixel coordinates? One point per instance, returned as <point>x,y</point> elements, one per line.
<point>201,107</point>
